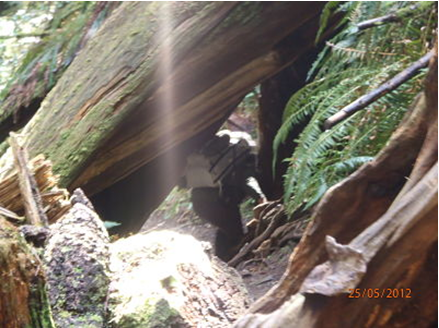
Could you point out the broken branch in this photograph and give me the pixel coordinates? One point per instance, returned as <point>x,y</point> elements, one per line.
<point>277,217</point>
<point>374,95</point>
<point>28,187</point>
<point>391,18</point>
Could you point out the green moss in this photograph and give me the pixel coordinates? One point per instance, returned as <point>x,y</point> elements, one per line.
<point>69,143</point>
<point>39,308</point>
<point>244,13</point>
<point>154,314</point>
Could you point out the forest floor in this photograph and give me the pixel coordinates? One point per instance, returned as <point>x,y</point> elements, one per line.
<point>176,214</point>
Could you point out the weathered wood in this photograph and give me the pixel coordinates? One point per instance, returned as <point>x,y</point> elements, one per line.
<point>9,214</point>
<point>30,194</point>
<point>23,298</point>
<point>155,75</point>
<point>55,200</point>
<point>383,89</point>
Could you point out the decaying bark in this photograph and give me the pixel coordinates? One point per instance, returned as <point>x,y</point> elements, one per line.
<point>55,200</point>
<point>156,75</point>
<point>379,220</point>
<point>23,298</point>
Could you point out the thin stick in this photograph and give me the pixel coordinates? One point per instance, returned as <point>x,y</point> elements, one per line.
<point>258,240</point>
<point>374,95</point>
<point>28,187</point>
<point>391,18</point>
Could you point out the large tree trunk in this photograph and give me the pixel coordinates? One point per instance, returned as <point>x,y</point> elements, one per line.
<point>385,223</point>
<point>157,74</point>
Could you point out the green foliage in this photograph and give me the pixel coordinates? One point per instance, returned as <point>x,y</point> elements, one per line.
<point>21,24</point>
<point>49,37</point>
<point>352,64</point>
<point>56,43</point>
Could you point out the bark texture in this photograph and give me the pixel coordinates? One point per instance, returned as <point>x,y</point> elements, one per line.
<point>76,261</point>
<point>384,223</point>
<point>23,298</point>
<point>156,75</point>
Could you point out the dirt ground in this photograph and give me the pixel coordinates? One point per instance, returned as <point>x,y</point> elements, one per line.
<point>176,214</point>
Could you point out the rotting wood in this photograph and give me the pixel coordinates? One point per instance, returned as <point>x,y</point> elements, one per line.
<point>55,201</point>
<point>23,296</point>
<point>383,89</point>
<point>9,214</point>
<point>30,193</point>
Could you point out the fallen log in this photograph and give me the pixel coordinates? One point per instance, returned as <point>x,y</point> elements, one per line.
<point>47,60</point>
<point>121,105</point>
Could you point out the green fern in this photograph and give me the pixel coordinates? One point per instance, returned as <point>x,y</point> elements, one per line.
<point>353,63</point>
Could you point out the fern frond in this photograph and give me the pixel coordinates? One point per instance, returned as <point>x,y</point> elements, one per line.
<point>350,65</point>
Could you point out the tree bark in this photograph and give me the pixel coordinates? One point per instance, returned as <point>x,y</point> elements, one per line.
<point>384,223</point>
<point>157,74</point>
<point>23,298</point>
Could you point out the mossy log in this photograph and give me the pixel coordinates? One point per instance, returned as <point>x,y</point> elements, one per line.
<point>369,256</point>
<point>157,74</point>
<point>23,297</point>
<point>76,260</point>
